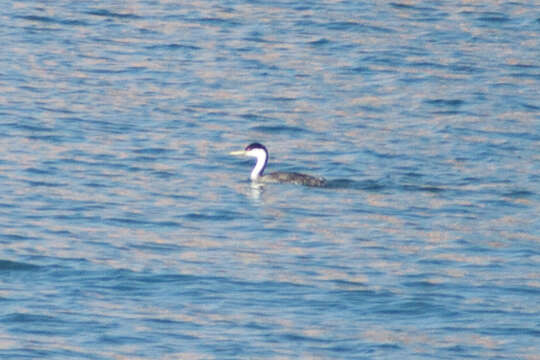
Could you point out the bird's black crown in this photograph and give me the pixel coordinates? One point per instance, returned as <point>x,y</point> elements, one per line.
<point>255,146</point>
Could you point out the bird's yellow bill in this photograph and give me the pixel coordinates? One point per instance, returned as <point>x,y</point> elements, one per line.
<point>240,152</point>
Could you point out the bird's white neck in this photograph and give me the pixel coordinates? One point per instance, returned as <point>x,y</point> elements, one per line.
<point>262,158</point>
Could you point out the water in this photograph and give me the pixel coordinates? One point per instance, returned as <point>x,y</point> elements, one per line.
<point>129,233</point>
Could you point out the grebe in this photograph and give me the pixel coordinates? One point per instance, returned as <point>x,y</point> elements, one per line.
<point>258,151</point>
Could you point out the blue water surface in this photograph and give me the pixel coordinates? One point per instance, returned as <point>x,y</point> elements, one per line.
<point>128,232</point>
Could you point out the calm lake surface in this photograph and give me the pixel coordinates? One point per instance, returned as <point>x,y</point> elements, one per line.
<point>128,232</point>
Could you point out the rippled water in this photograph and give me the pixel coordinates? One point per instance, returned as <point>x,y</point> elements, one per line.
<point>128,232</point>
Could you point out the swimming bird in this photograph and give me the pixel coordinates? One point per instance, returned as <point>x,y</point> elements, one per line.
<point>259,152</point>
